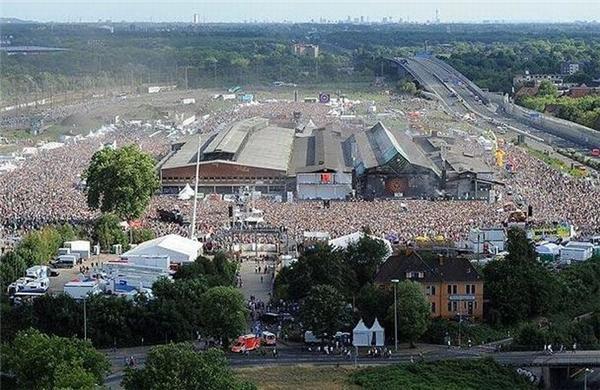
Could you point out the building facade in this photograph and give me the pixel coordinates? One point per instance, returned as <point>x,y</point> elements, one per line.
<point>453,287</point>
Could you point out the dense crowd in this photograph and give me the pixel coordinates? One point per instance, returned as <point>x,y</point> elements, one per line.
<point>47,189</point>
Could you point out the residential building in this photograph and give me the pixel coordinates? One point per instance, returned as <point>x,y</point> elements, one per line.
<point>304,49</point>
<point>568,68</point>
<point>452,285</point>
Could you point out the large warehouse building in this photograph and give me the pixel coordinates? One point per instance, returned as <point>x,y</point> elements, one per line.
<point>325,163</point>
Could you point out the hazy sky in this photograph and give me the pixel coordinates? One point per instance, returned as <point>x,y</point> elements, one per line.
<point>300,10</point>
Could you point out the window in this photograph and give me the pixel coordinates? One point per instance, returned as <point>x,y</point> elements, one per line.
<point>454,289</point>
<point>433,307</point>
<point>473,289</point>
<point>449,306</point>
<point>475,304</point>
<point>428,290</point>
<point>449,289</point>
<point>454,306</point>
<point>468,289</point>
<point>432,290</point>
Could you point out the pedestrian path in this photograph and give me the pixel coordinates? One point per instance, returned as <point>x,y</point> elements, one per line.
<point>254,283</point>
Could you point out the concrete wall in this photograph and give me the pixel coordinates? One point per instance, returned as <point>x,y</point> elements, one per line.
<point>571,131</point>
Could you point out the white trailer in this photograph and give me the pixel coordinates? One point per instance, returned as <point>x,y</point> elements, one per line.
<point>80,289</point>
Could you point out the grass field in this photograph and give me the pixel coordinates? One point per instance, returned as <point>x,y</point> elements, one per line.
<point>443,375</point>
<point>299,377</point>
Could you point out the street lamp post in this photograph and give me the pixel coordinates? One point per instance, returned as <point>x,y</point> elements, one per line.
<point>84,320</point>
<point>193,227</point>
<point>587,372</point>
<point>395,282</point>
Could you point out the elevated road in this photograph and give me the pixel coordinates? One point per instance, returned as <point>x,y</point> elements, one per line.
<point>463,96</point>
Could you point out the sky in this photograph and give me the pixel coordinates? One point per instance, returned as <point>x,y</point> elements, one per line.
<point>301,10</point>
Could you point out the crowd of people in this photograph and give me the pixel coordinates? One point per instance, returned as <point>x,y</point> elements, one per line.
<point>47,189</point>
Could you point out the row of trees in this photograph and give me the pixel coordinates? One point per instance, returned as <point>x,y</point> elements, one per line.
<point>494,66</point>
<point>584,110</point>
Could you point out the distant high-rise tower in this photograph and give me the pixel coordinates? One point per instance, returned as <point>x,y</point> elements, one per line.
<point>196,18</point>
<point>437,15</point>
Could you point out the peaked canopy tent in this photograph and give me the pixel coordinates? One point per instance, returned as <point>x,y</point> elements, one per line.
<point>179,249</point>
<point>361,335</point>
<point>377,334</point>
<point>186,193</point>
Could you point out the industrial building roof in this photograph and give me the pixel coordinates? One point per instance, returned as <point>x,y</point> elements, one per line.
<point>323,150</point>
<point>252,142</point>
<point>379,145</point>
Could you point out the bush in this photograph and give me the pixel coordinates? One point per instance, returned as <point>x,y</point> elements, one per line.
<point>446,374</point>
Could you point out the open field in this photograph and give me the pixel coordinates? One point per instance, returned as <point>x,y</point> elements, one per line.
<point>299,377</point>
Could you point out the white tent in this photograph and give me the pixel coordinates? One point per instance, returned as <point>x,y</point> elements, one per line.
<point>186,193</point>
<point>377,334</point>
<point>548,249</point>
<point>361,335</point>
<point>352,238</point>
<point>178,248</point>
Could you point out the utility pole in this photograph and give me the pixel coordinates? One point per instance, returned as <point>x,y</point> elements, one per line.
<point>395,282</point>
<point>84,320</point>
<point>193,227</point>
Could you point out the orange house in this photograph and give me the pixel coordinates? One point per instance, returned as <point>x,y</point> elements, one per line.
<point>453,287</point>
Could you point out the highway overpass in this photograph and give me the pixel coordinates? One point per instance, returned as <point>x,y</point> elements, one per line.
<point>462,96</point>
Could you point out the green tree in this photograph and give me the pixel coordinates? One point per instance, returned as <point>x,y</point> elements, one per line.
<point>413,311</point>
<point>407,87</point>
<point>323,311</point>
<point>39,361</point>
<point>108,231</point>
<point>364,257</point>
<point>180,367</point>
<point>519,287</point>
<point>319,265</point>
<point>12,267</point>
<point>224,313</point>
<point>141,235</point>
<point>547,89</point>
<point>220,271</point>
<point>121,181</point>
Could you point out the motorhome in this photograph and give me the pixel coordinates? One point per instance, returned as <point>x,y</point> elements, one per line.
<point>28,285</point>
<point>80,289</point>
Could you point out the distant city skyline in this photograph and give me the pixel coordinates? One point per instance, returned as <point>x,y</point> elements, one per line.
<point>301,11</point>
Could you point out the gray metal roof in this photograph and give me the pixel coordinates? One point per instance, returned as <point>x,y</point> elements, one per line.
<point>321,151</point>
<point>251,142</point>
<point>231,140</point>
<point>268,148</point>
<point>378,145</point>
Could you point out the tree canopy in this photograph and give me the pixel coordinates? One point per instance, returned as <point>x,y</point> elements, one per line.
<point>413,311</point>
<point>224,313</point>
<point>43,362</point>
<point>180,367</point>
<point>323,311</point>
<point>121,181</point>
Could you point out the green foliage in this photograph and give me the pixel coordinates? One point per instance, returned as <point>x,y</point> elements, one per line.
<point>519,287</point>
<point>319,266</point>
<point>546,88</point>
<point>108,231</point>
<point>141,235</point>
<point>180,367</point>
<point>40,362</point>
<point>346,270</point>
<point>121,181</point>
<point>413,311</point>
<point>364,257</point>
<point>323,311</point>
<point>12,267</point>
<point>445,374</point>
<point>583,110</point>
<point>220,271</point>
<point>224,313</point>
<point>373,302</point>
<point>407,87</point>
<point>478,333</point>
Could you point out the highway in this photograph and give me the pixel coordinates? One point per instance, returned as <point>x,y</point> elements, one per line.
<point>462,96</point>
